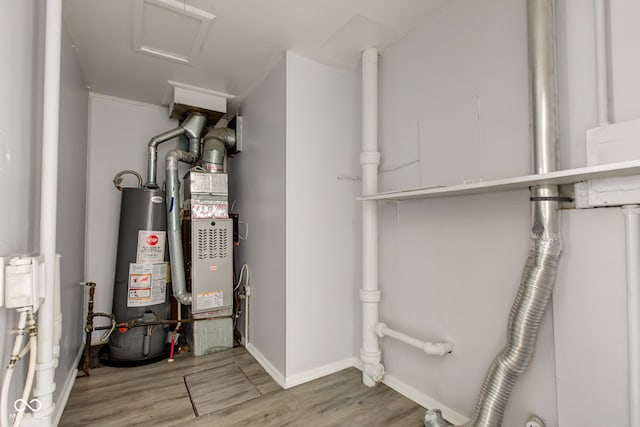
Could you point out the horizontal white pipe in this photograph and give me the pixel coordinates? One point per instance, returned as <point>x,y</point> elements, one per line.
<point>436,349</point>
<point>632,241</point>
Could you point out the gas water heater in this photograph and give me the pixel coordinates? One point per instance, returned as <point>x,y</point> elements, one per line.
<point>198,233</point>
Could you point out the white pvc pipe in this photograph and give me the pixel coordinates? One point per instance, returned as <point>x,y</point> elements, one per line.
<point>247,291</point>
<point>632,241</point>
<point>435,349</point>
<point>602,78</point>
<point>46,363</point>
<point>370,353</point>
<point>57,312</point>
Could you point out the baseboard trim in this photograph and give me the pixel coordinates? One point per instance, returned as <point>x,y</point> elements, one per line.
<point>319,372</point>
<point>65,391</point>
<point>423,399</point>
<point>418,396</point>
<point>390,381</point>
<point>266,364</point>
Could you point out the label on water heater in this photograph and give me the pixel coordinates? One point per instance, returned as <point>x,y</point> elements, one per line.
<point>147,284</point>
<point>206,300</point>
<point>150,246</point>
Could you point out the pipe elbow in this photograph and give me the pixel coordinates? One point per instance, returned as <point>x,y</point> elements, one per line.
<point>174,156</point>
<point>225,135</point>
<point>183,297</point>
<point>438,349</point>
<point>194,124</point>
<point>379,329</point>
<point>374,371</point>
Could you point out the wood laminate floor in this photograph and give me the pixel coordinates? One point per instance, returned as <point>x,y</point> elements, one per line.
<point>230,388</point>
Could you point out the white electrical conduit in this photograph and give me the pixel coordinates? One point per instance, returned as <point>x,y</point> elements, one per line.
<point>15,356</point>
<point>434,349</point>
<point>632,241</point>
<point>602,77</point>
<point>247,293</point>
<point>370,354</point>
<point>45,372</point>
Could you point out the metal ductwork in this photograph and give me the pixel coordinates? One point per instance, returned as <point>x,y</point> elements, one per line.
<point>538,277</point>
<point>192,127</point>
<point>214,151</point>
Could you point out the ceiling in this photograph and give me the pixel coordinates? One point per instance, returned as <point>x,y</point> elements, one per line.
<point>230,53</point>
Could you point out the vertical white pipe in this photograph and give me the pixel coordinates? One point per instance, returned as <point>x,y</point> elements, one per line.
<point>602,78</point>
<point>246,321</point>
<point>46,364</point>
<point>370,159</point>
<point>632,241</point>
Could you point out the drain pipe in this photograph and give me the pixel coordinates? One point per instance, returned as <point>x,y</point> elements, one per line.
<point>373,371</point>
<point>538,277</point>
<point>46,363</point>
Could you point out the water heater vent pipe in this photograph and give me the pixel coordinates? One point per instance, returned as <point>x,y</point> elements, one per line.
<point>191,127</point>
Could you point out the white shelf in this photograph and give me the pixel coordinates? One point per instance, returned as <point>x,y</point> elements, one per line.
<point>569,176</point>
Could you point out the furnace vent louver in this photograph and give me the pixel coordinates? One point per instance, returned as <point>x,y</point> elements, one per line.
<point>213,243</point>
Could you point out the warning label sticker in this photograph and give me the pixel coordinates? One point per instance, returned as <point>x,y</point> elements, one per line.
<point>150,246</point>
<point>147,284</point>
<point>206,300</point>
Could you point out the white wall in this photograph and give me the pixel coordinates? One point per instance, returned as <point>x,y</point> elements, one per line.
<point>71,209</point>
<point>455,106</point>
<point>119,131</point>
<point>257,184</point>
<point>322,141</point>
<point>301,134</point>
<point>590,300</point>
<point>22,26</point>
<point>20,85</point>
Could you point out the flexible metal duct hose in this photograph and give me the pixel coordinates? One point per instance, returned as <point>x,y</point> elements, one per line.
<point>536,287</point>
<point>538,277</point>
